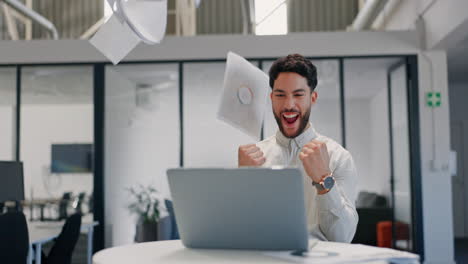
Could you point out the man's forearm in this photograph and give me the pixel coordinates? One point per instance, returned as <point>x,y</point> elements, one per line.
<point>337,216</point>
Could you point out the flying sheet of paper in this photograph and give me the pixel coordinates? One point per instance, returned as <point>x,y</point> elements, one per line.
<point>244,97</point>
<point>115,40</point>
<point>132,21</point>
<point>148,18</point>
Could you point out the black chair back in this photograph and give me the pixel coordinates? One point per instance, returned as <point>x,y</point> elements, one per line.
<point>63,205</point>
<point>62,250</point>
<point>366,231</point>
<point>91,203</point>
<point>14,238</point>
<point>79,202</point>
<point>170,210</point>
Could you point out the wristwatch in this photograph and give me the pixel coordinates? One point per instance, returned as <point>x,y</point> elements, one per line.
<point>326,184</point>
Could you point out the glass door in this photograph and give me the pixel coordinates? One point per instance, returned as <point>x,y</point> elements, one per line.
<point>400,156</point>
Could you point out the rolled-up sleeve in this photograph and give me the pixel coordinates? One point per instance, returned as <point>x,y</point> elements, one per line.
<point>338,217</point>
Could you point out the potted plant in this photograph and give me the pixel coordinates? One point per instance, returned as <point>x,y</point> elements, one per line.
<point>145,204</point>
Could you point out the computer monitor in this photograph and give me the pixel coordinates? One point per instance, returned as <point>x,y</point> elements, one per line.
<point>72,158</point>
<point>12,183</point>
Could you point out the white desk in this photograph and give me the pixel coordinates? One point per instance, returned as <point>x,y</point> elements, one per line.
<point>43,232</point>
<point>174,252</point>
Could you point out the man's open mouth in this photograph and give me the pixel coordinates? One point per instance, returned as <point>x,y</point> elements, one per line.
<point>290,118</point>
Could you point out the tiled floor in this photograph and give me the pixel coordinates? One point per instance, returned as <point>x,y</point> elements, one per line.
<point>461,251</point>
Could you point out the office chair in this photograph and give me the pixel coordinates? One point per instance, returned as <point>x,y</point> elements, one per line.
<point>78,202</point>
<point>62,250</point>
<point>91,203</point>
<point>14,238</point>
<point>63,205</point>
<point>15,206</point>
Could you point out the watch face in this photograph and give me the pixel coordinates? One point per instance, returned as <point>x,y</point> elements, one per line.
<point>328,182</point>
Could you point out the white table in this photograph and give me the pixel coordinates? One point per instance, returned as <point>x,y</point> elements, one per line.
<point>43,232</point>
<point>174,252</point>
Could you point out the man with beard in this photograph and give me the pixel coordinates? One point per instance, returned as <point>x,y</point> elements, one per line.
<point>329,172</point>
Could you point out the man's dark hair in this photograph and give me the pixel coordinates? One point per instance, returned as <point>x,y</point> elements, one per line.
<point>294,63</point>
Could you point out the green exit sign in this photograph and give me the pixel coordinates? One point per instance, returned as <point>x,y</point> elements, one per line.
<point>433,99</point>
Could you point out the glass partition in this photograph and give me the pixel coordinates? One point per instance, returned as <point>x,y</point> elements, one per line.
<point>142,139</point>
<point>377,136</point>
<point>57,135</point>
<point>7,113</point>
<point>367,128</point>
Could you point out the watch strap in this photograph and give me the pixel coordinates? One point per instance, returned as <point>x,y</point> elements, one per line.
<point>320,185</point>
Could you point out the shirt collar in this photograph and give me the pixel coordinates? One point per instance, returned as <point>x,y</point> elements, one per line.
<point>305,137</point>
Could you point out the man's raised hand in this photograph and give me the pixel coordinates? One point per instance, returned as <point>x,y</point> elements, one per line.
<point>250,156</point>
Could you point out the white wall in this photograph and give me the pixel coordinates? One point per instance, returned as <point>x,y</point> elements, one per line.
<point>42,126</point>
<point>436,181</point>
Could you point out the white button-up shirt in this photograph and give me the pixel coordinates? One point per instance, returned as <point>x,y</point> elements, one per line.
<point>331,216</point>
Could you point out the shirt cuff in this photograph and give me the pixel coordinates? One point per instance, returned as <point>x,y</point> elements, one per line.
<point>330,201</point>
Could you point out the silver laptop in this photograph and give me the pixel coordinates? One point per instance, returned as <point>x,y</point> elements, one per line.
<point>246,208</point>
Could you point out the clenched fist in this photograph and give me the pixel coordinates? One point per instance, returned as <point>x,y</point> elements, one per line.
<point>315,159</point>
<point>250,156</point>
